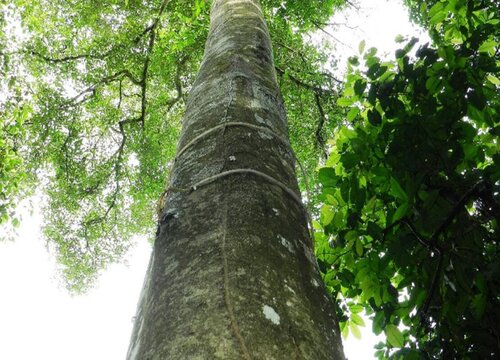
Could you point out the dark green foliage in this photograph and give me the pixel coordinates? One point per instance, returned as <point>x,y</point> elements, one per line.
<point>411,191</point>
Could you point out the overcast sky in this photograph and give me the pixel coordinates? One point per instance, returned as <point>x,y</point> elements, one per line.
<point>40,321</point>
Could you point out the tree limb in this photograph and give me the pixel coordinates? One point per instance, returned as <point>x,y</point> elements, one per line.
<point>303,84</point>
<point>319,27</point>
<point>178,85</point>
<point>69,57</point>
<point>321,123</point>
<point>105,80</point>
<point>454,212</point>
<point>144,79</point>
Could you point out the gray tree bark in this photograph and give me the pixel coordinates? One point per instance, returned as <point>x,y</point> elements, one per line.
<point>233,275</point>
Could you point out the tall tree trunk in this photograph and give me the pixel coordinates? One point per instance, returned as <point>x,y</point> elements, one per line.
<point>233,275</point>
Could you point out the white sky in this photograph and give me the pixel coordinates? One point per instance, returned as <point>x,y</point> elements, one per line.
<point>40,321</point>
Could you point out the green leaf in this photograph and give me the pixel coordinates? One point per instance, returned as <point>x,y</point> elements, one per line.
<point>478,305</point>
<point>475,114</point>
<point>355,308</point>
<point>374,117</point>
<point>355,330</point>
<point>345,330</point>
<point>373,71</point>
<point>378,323</point>
<point>351,115</point>
<point>359,87</point>
<point>488,46</point>
<point>400,212</point>
<point>351,235</point>
<point>359,247</point>
<point>493,79</point>
<point>394,336</point>
<point>353,60</point>
<point>15,222</point>
<point>326,215</point>
<point>432,84</point>
<point>480,282</point>
<point>358,320</point>
<point>361,46</point>
<point>327,176</point>
<point>399,38</point>
<point>397,191</point>
<point>344,102</point>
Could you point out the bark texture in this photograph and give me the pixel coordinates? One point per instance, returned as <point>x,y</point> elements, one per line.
<point>233,275</point>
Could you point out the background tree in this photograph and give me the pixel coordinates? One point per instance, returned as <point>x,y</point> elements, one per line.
<point>411,190</point>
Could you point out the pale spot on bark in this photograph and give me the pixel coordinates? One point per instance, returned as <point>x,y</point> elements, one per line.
<point>264,135</point>
<point>289,289</point>
<point>259,119</point>
<point>271,314</point>
<point>286,243</point>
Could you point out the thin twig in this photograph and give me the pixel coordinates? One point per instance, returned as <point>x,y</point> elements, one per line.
<point>330,35</point>
<point>105,80</point>
<point>303,84</point>
<point>454,212</point>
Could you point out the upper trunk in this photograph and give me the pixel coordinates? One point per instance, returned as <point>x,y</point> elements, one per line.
<point>233,273</point>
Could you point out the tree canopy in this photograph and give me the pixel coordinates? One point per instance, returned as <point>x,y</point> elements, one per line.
<point>399,161</point>
<point>94,97</point>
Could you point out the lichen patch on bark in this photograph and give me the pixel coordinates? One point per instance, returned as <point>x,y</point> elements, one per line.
<point>271,314</point>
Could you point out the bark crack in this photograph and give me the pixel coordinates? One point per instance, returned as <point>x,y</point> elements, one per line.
<point>296,347</point>
<point>227,299</point>
<point>231,98</point>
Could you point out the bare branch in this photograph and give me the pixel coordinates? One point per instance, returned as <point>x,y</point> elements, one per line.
<point>299,53</point>
<point>321,123</point>
<point>120,97</point>
<point>117,172</point>
<point>178,85</point>
<point>454,212</point>
<point>305,85</point>
<point>105,80</point>
<point>144,80</point>
<point>351,4</point>
<point>344,24</point>
<point>70,57</point>
<point>321,28</point>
